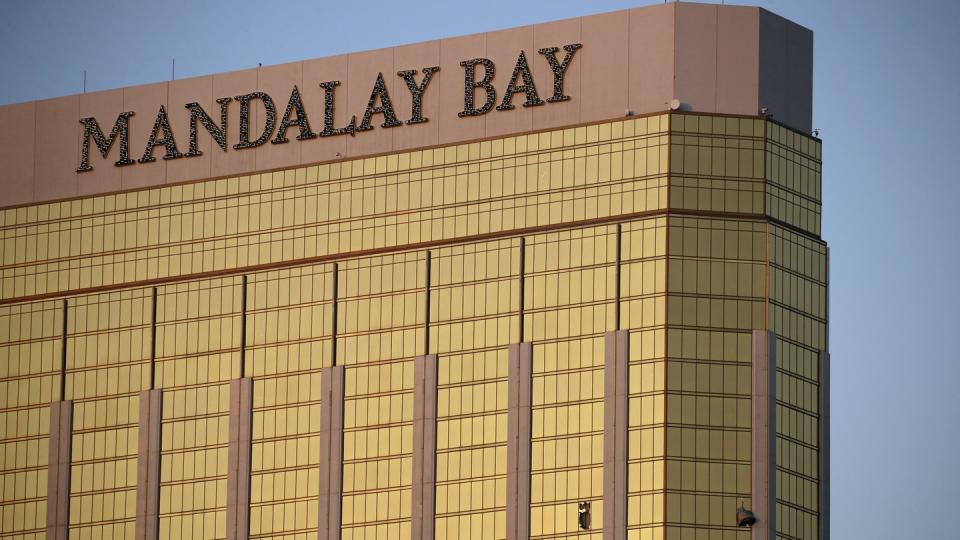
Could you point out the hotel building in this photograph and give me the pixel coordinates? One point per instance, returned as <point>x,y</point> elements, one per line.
<point>562,280</point>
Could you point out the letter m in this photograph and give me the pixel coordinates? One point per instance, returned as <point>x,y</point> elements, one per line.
<point>91,129</point>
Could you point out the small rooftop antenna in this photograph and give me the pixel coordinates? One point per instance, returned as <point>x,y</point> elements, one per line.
<point>173,69</point>
<point>84,81</point>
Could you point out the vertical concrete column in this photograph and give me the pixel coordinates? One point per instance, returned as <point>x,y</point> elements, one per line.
<point>519,402</point>
<point>764,434</point>
<point>824,446</point>
<point>331,452</point>
<point>238,458</point>
<point>615,422</point>
<point>58,469</point>
<point>423,493</point>
<point>148,465</point>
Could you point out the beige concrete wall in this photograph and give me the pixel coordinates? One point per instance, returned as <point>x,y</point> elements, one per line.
<point>59,467</point>
<point>616,420</point>
<point>423,485</point>
<point>238,458</point>
<point>330,497</point>
<point>519,433</point>
<point>148,465</point>
<point>712,58</point>
<point>763,435</point>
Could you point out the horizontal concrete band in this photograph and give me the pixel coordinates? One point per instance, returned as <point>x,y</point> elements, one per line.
<point>148,465</point>
<point>331,452</point>
<point>238,458</point>
<point>713,59</point>
<point>615,420</point>
<point>519,401</point>
<point>423,492</point>
<point>764,433</point>
<point>58,470</point>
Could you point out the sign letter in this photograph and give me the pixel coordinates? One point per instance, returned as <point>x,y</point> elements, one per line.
<point>328,112</point>
<point>161,123</point>
<point>271,120</point>
<point>385,108</point>
<point>92,129</point>
<point>416,92</point>
<point>470,85</point>
<point>302,122</point>
<point>528,88</point>
<point>559,69</point>
<point>219,134</point>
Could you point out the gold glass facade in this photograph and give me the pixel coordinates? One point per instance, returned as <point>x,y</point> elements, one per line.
<point>688,231</point>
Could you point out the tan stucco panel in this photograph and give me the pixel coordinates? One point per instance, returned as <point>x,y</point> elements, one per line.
<point>504,51</point>
<point>146,101</point>
<point>651,58</point>
<point>452,52</point>
<point>232,161</point>
<point>16,152</point>
<point>333,68</point>
<point>557,34</point>
<point>416,56</point>
<point>278,82</point>
<point>200,90</point>
<point>56,153</point>
<point>738,60</point>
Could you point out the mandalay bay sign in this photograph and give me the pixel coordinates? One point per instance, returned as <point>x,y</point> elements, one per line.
<point>478,78</point>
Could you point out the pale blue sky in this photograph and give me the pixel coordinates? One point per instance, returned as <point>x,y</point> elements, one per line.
<point>887,102</point>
